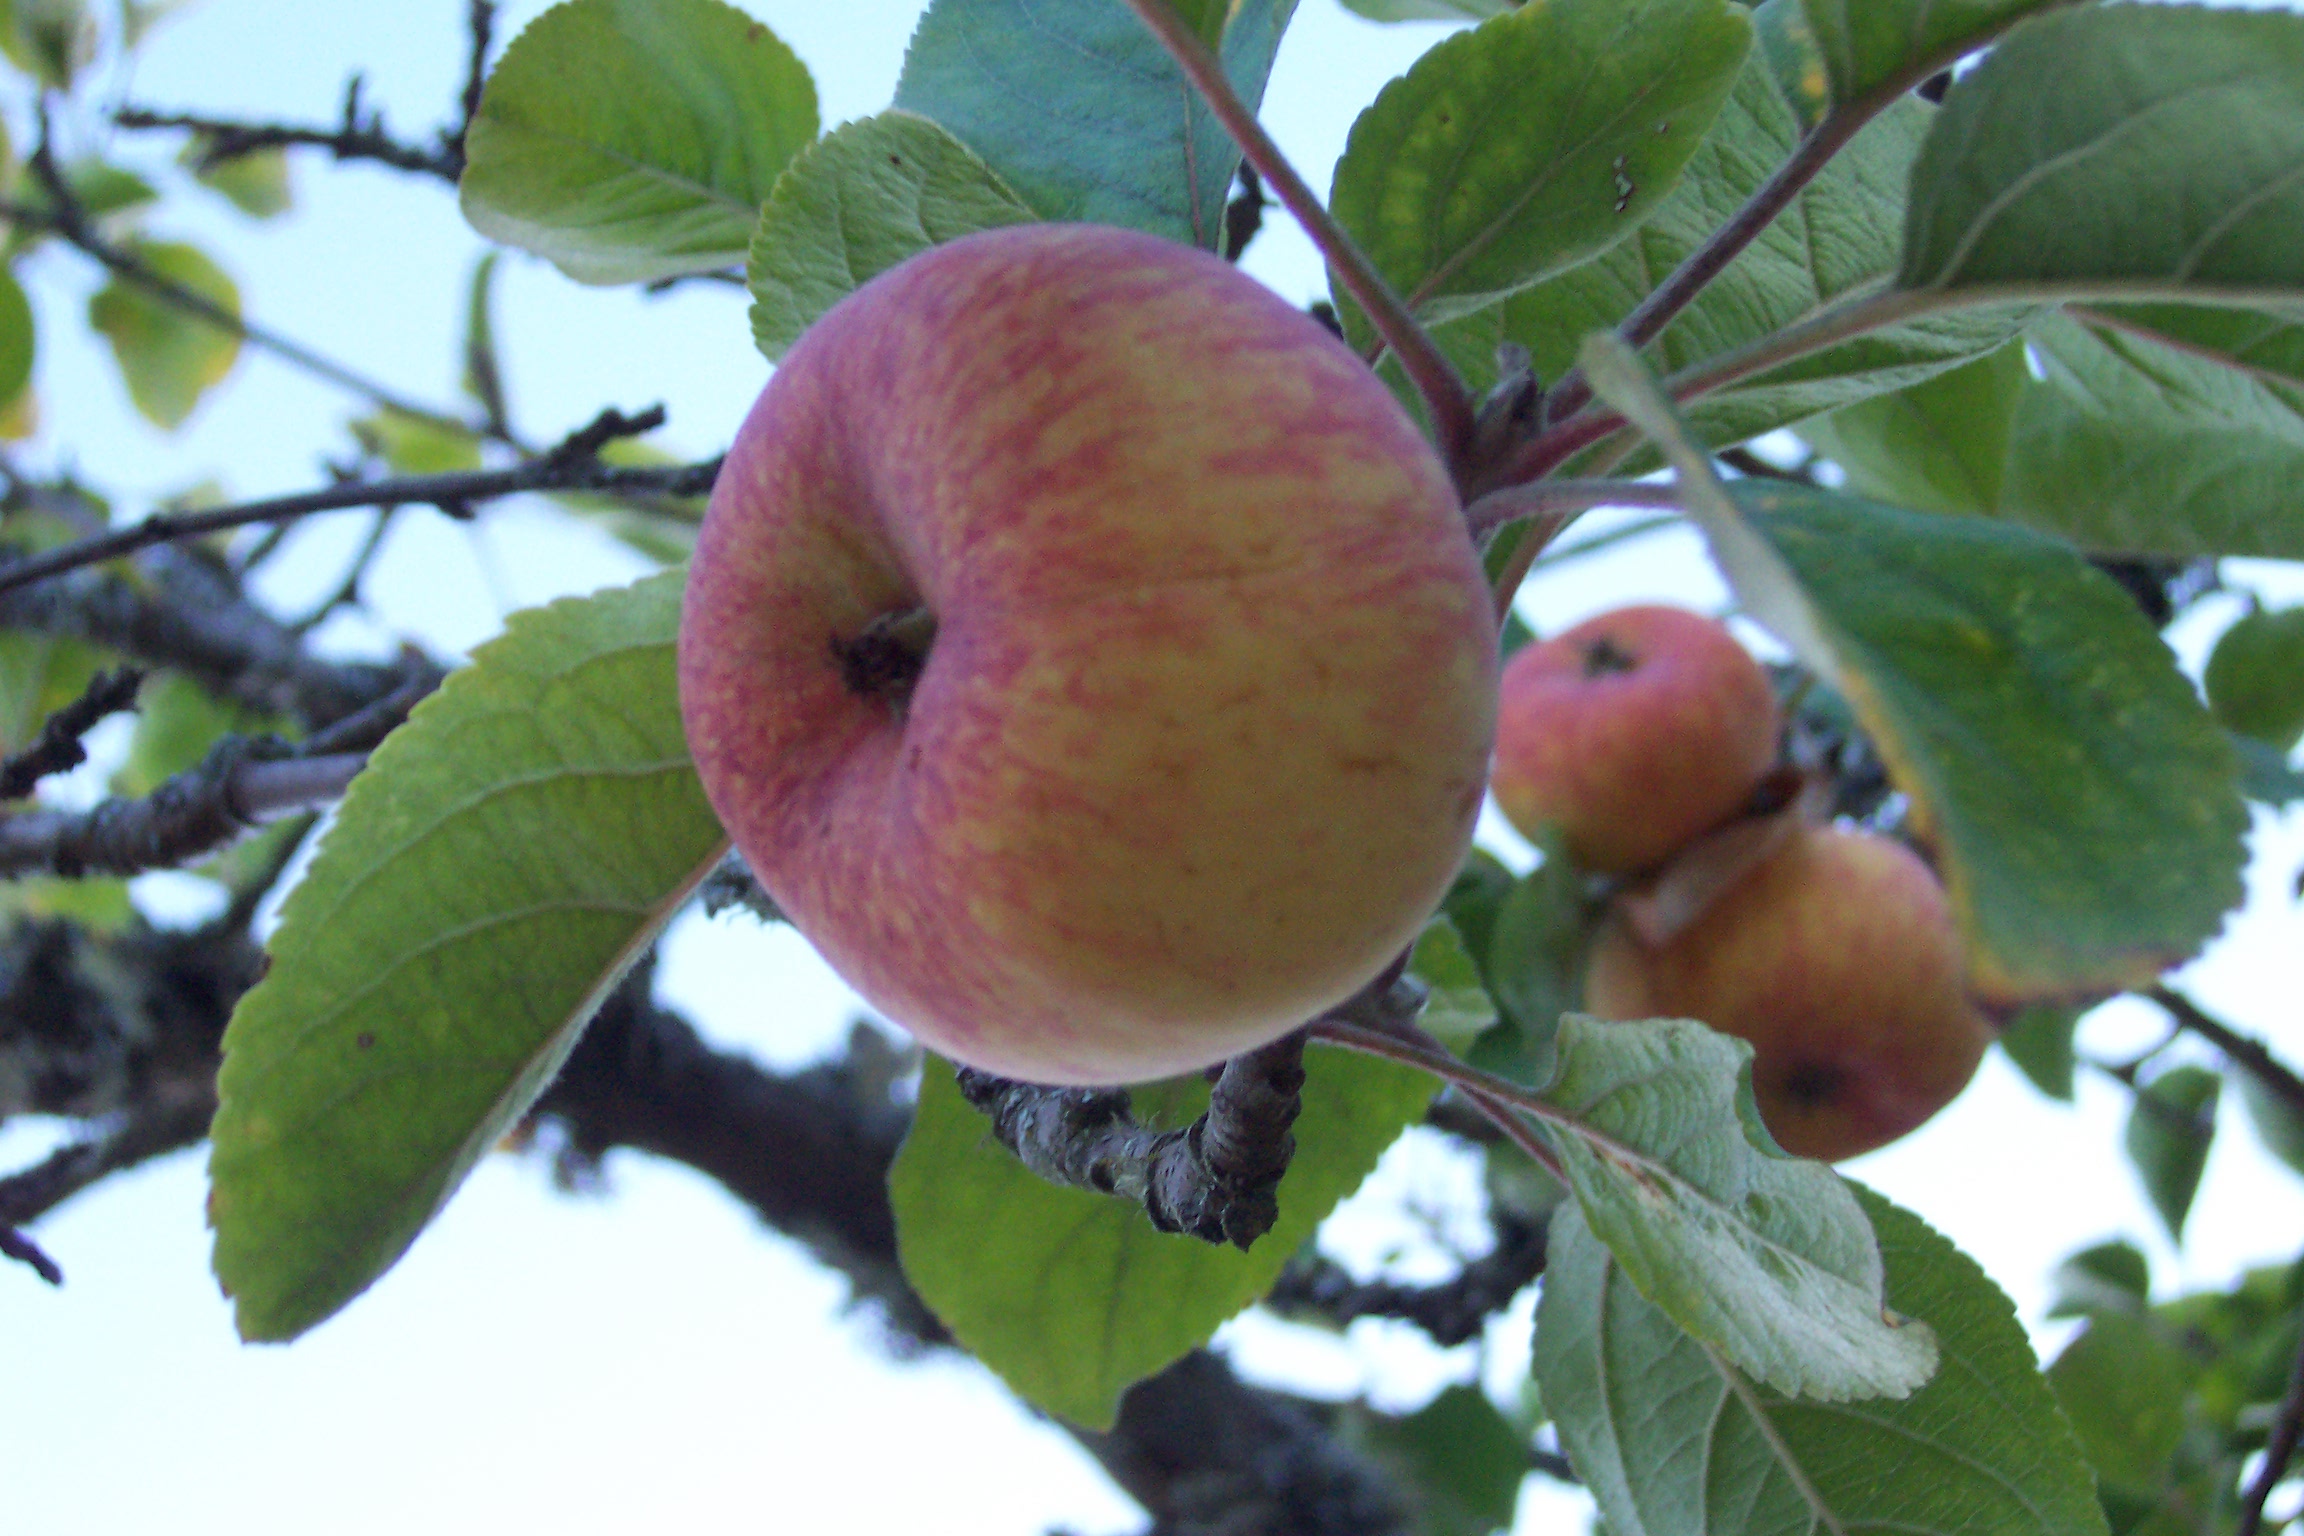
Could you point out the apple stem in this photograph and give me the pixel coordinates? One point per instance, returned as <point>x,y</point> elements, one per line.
<point>887,656</point>
<point>1503,1101</point>
<point>1435,378</point>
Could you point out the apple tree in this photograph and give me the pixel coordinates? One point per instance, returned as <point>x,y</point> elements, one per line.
<point>1966,336</point>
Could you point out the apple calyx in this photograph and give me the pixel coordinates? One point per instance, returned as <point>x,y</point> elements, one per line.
<point>886,657</point>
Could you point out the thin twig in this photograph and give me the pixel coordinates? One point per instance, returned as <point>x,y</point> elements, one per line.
<point>1437,382</point>
<point>574,465</point>
<point>175,1114</point>
<point>15,1245</point>
<point>355,138</point>
<point>65,219</point>
<point>58,749</point>
<point>1451,1312</point>
<point>2249,1055</point>
<point>480,27</point>
<point>2279,1448</point>
<point>1540,500</point>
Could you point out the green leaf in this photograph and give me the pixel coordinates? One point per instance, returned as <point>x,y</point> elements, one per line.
<point>2265,774</point>
<point>1871,44</point>
<point>1763,1257</point>
<point>50,40</point>
<point>168,358</point>
<point>413,445</point>
<point>2134,447</point>
<point>2170,1128</point>
<point>2039,1041</point>
<point>1841,237</point>
<point>2255,677</point>
<point>1672,1442</point>
<point>177,721</point>
<point>483,378</point>
<point>1938,446</point>
<point>15,337</point>
<point>1475,895</point>
<point>2110,1277</point>
<point>1459,1006</point>
<point>255,183</point>
<point>2033,716</point>
<point>1070,1296</point>
<point>101,905</point>
<point>857,202</point>
<point>38,676</point>
<point>504,856</point>
<point>1511,152</point>
<point>2123,151</point>
<point>1206,18</point>
<point>1535,965</point>
<point>1429,10</point>
<point>1458,1461</point>
<point>1079,109</point>
<point>2279,1124</point>
<point>2040,727</point>
<point>630,140</point>
<point>2122,1383</point>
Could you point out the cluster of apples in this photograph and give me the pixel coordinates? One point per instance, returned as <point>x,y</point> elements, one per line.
<point>1087,653</point>
<point>1638,740</point>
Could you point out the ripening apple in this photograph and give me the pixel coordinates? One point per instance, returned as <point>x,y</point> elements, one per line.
<point>1837,960</point>
<point>1632,734</point>
<point>1087,653</point>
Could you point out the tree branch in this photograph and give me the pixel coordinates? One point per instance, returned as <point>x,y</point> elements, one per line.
<point>573,465</point>
<point>15,1245</point>
<point>2279,1448</point>
<point>2249,1055</point>
<point>242,783</point>
<point>1216,1179</point>
<point>1451,1312</point>
<point>1427,367</point>
<point>58,749</point>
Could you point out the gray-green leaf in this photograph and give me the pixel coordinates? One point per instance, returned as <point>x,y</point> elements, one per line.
<point>1868,44</point>
<point>2039,1041</point>
<point>630,140</point>
<point>2171,1125</point>
<point>1513,151</point>
<point>2255,677</point>
<point>1070,1296</point>
<point>1766,1258</point>
<point>1458,1006</point>
<point>1841,236</point>
<point>2126,150</point>
<point>862,199</point>
<point>1083,113</point>
<point>504,856</point>
<point>1672,1444</point>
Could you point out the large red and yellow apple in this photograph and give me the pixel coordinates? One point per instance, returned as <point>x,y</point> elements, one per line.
<point>1632,734</point>
<point>1087,654</point>
<point>1837,960</point>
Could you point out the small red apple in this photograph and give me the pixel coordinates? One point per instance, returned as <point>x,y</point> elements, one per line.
<point>1631,734</point>
<point>1837,960</point>
<point>1088,655</point>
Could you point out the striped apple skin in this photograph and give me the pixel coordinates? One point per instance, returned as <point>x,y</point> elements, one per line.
<point>1207,716</point>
